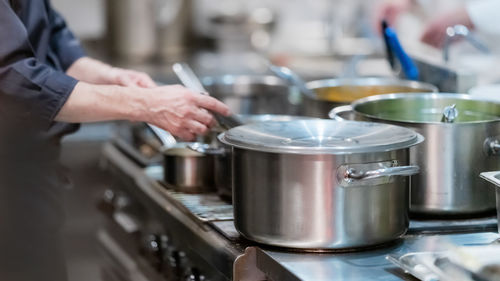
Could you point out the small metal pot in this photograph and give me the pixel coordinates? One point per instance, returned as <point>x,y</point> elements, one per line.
<point>454,152</point>
<point>334,92</point>
<point>187,170</point>
<point>321,184</point>
<point>245,94</point>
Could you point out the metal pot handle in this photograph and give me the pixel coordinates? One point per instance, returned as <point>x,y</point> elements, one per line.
<point>353,175</point>
<point>492,146</point>
<point>335,112</point>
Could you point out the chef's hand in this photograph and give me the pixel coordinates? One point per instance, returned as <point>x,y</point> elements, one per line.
<point>96,72</point>
<point>435,32</point>
<point>176,109</point>
<point>181,111</point>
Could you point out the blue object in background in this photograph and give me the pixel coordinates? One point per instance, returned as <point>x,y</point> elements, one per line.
<point>409,68</point>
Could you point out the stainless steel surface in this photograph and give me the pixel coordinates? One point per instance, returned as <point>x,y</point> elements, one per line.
<point>320,136</point>
<point>291,77</point>
<point>494,178</point>
<point>368,265</point>
<point>246,94</point>
<point>299,194</point>
<point>201,246</point>
<point>188,170</point>
<point>190,80</point>
<point>453,154</point>
<point>223,177</point>
<point>335,92</point>
<point>461,31</point>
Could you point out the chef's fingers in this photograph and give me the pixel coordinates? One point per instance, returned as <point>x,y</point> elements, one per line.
<point>196,127</point>
<point>145,81</point>
<point>186,135</point>
<point>212,104</point>
<point>203,116</point>
<point>127,81</point>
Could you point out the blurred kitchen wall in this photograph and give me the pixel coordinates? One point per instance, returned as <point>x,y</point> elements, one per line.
<point>86,18</point>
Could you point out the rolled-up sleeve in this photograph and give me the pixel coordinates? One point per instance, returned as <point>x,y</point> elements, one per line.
<point>24,80</point>
<point>66,46</point>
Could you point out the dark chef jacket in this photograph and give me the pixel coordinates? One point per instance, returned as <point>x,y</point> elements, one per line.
<point>36,48</point>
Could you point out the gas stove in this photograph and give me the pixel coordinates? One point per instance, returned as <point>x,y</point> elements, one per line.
<point>155,233</point>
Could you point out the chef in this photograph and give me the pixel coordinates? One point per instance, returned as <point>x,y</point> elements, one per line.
<point>479,15</point>
<point>47,86</point>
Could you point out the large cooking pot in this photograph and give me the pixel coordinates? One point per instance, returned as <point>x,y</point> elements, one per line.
<point>246,94</point>
<point>453,154</point>
<point>334,92</point>
<point>321,184</point>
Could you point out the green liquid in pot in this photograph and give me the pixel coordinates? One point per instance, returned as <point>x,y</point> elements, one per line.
<point>430,110</point>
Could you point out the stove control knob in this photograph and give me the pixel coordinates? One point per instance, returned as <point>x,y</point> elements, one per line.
<point>193,274</point>
<point>106,203</point>
<point>152,250</point>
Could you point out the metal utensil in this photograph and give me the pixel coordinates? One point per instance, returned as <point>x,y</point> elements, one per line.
<point>191,81</point>
<point>291,77</point>
<point>165,137</point>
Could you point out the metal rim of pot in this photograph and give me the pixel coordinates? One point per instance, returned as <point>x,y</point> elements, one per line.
<point>406,139</point>
<point>337,111</point>
<point>368,81</point>
<point>231,79</point>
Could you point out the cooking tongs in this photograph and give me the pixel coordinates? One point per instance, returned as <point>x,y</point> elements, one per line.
<point>191,81</point>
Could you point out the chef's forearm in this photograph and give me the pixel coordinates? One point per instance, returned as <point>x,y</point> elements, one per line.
<point>91,71</point>
<point>93,103</point>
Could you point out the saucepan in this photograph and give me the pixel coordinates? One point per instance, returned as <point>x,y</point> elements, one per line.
<point>335,92</point>
<point>321,184</point>
<point>185,169</point>
<point>462,135</point>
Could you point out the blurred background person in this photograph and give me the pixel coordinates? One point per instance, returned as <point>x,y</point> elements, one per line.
<point>429,19</point>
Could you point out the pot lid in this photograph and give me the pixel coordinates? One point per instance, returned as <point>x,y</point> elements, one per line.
<point>320,137</point>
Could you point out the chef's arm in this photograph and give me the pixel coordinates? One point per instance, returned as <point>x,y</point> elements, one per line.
<point>96,72</point>
<point>42,94</point>
<point>174,108</point>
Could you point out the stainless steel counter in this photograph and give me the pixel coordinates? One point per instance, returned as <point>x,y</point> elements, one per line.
<point>203,226</point>
<point>369,265</point>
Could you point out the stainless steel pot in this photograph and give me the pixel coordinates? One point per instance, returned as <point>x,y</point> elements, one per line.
<point>494,178</point>
<point>188,170</point>
<point>321,184</point>
<point>454,153</point>
<point>254,94</point>
<point>334,92</point>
